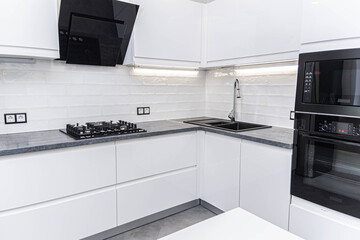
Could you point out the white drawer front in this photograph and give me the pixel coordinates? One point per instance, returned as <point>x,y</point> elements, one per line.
<point>36,177</point>
<point>68,220</point>
<point>142,158</point>
<point>146,197</point>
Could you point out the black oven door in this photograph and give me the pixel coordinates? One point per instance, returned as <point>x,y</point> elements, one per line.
<point>327,172</point>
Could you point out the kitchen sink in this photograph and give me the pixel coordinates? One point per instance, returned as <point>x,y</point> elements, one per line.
<point>227,125</point>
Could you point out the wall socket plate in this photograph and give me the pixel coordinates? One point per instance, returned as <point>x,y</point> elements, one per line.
<point>143,111</point>
<point>15,118</point>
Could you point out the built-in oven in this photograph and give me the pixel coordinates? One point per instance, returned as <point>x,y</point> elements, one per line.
<point>326,161</point>
<point>329,82</point>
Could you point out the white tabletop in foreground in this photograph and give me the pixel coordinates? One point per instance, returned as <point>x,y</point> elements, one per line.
<point>236,224</point>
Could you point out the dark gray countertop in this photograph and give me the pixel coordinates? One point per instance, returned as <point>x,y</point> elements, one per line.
<point>53,139</point>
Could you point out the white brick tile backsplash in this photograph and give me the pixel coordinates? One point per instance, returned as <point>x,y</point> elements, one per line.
<point>54,93</point>
<point>265,99</point>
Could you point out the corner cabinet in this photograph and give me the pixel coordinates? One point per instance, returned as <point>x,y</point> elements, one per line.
<point>252,31</point>
<point>167,33</point>
<point>265,182</point>
<point>29,29</point>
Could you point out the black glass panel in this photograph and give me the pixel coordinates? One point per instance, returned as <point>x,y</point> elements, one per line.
<point>94,41</point>
<point>95,32</point>
<point>328,173</point>
<point>336,82</point>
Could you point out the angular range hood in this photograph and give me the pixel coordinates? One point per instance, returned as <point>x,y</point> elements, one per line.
<point>95,32</point>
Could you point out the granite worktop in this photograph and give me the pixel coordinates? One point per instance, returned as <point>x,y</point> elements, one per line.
<point>18,143</point>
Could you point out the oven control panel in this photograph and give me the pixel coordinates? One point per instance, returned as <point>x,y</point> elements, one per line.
<point>339,128</point>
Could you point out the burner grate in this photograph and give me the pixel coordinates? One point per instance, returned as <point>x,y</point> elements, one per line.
<point>101,129</point>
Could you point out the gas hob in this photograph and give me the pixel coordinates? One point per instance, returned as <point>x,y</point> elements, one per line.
<point>101,129</point>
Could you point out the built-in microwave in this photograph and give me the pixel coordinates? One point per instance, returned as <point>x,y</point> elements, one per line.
<point>329,82</point>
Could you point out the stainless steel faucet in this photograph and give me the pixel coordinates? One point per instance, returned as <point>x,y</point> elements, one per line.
<point>232,114</point>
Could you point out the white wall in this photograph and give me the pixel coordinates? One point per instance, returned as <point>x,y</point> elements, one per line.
<point>267,96</point>
<point>53,93</point>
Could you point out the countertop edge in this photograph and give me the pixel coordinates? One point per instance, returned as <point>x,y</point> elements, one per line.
<point>188,128</point>
<point>251,138</point>
<point>91,141</point>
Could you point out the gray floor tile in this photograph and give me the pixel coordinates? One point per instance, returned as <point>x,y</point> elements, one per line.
<point>166,226</point>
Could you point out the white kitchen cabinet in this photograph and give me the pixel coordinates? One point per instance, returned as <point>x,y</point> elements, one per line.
<point>313,222</point>
<point>32,178</point>
<point>141,158</point>
<point>252,31</point>
<point>219,172</point>
<point>167,33</point>
<point>265,181</point>
<point>29,29</point>
<point>139,199</point>
<point>330,24</point>
<point>69,219</point>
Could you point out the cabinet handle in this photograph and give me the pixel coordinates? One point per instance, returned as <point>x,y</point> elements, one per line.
<point>292,115</point>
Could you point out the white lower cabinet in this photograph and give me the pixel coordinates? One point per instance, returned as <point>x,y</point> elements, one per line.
<point>69,219</point>
<point>265,181</point>
<point>141,158</point>
<point>219,172</point>
<point>148,196</point>
<point>314,222</point>
<point>32,178</point>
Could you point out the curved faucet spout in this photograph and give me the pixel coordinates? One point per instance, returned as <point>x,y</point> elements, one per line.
<point>232,114</point>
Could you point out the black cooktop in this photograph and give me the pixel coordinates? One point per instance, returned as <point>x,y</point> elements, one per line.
<point>101,129</point>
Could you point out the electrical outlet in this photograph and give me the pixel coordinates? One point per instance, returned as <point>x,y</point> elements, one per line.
<point>147,110</point>
<point>9,118</point>
<point>21,118</point>
<point>140,111</point>
<point>14,118</point>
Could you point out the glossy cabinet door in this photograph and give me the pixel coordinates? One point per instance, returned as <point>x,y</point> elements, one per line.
<point>168,32</point>
<point>219,172</point>
<point>29,29</point>
<point>31,178</point>
<point>142,198</point>
<point>252,31</point>
<point>141,158</point>
<point>265,181</point>
<point>71,219</point>
<point>330,20</point>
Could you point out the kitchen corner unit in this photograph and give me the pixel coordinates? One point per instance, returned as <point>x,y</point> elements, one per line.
<point>117,182</point>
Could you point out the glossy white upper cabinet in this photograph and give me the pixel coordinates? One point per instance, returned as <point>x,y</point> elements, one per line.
<point>167,33</point>
<point>252,31</point>
<point>29,29</point>
<point>325,21</point>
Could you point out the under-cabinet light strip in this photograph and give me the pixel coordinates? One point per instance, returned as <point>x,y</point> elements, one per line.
<point>165,72</point>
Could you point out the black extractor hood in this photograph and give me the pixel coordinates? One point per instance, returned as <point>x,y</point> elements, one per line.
<point>95,32</point>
